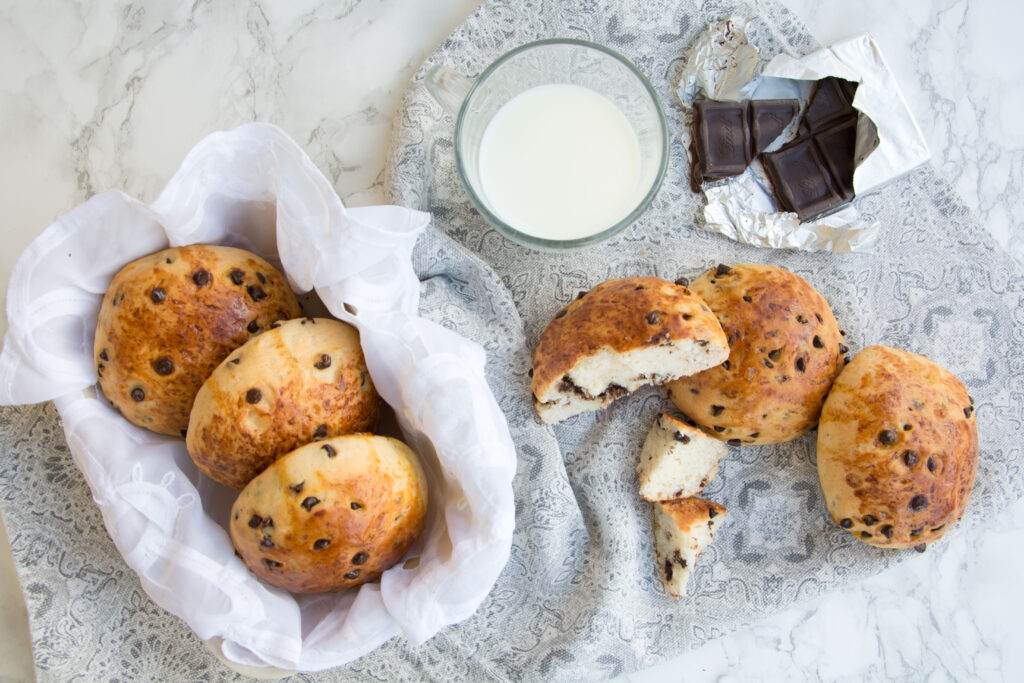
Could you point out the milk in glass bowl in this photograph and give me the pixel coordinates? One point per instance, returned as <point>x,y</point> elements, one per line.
<point>559,143</point>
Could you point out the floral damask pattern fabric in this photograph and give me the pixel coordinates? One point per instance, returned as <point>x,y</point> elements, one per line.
<point>580,597</point>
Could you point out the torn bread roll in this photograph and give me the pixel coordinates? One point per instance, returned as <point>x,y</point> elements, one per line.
<point>682,530</point>
<point>678,460</point>
<point>619,336</point>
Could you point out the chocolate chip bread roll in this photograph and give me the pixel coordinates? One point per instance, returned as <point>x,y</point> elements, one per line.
<point>300,381</point>
<point>897,448</point>
<point>169,318</point>
<point>617,337</point>
<point>332,514</point>
<point>785,350</point>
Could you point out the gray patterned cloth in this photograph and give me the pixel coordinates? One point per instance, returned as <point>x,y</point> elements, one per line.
<point>580,598</point>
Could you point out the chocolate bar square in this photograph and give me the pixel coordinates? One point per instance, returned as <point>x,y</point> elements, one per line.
<point>836,146</point>
<point>721,136</point>
<point>832,100</point>
<point>768,118</point>
<point>802,181</point>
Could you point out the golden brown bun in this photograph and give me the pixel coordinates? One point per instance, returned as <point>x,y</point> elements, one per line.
<point>897,448</point>
<point>300,381</point>
<point>169,318</point>
<point>332,514</point>
<point>785,350</point>
<point>621,335</point>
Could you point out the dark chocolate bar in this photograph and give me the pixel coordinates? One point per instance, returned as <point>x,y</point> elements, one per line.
<point>813,175</point>
<point>728,135</point>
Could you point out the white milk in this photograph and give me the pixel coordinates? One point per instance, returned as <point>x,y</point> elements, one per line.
<point>560,162</point>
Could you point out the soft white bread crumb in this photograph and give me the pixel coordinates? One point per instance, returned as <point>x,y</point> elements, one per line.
<point>677,460</point>
<point>682,530</point>
<point>597,380</point>
<point>619,336</point>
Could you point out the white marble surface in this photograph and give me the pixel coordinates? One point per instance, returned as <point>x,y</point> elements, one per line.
<point>98,95</point>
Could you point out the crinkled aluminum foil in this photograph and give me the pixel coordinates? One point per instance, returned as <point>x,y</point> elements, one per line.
<point>742,208</point>
<point>720,63</point>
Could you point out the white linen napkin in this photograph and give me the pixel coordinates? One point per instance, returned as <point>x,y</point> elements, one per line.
<point>253,187</point>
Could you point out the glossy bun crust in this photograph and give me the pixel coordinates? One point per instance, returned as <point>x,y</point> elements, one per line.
<point>897,448</point>
<point>169,318</point>
<point>785,350</point>
<point>332,514</point>
<point>300,381</point>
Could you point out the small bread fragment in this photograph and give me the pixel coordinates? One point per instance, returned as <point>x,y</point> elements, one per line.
<point>897,449</point>
<point>677,460</point>
<point>682,530</point>
<point>786,349</point>
<point>619,336</point>
<point>332,514</point>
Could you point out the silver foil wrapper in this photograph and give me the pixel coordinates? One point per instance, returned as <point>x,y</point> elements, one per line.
<point>720,63</point>
<point>742,208</point>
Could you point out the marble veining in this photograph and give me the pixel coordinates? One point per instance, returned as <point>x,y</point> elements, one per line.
<point>955,63</point>
<point>98,95</point>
